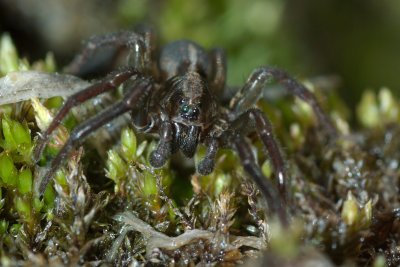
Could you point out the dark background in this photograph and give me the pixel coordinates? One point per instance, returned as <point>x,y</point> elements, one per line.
<point>358,40</point>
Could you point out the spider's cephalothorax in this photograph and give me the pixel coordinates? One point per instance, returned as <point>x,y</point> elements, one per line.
<point>176,92</point>
<point>191,109</point>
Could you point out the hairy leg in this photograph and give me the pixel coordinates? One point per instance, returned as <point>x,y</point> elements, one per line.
<point>252,91</point>
<point>139,44</point>
<point>111,83</point>
<point>268,189</point>
<point>254,119</point>
<point>218,71</point>
<point>129,102</point>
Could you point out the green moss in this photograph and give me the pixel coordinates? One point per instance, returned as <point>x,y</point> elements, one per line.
<point>128,145</point>
<point>9,60</point>
<point>25,181</point>
<point>378,110</point>
<point>8,172</point>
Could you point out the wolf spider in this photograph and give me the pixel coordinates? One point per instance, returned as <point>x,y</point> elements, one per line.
<point>176,92</point>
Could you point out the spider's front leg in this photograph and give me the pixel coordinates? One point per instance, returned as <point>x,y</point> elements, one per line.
<point>254,119</point>
<point>129,102</point>
<point>252,91</point>
<point>111,83</point>
<point>268,189</point>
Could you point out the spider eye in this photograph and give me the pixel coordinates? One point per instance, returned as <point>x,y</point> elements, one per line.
<point>195,111</point>
<point>185,109</point>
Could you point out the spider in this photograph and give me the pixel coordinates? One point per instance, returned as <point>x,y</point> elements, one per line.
<point>176,92</point>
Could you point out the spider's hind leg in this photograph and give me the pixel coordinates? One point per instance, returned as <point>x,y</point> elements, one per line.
<point>141,46</point>
<point>218,71</point>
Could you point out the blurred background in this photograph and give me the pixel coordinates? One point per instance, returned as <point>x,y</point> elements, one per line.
<point>358,40</point>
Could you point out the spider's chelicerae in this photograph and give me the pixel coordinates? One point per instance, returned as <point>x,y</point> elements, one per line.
<point>176,92</point>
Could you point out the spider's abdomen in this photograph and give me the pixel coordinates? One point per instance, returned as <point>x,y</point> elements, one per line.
<point>182,56</point>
